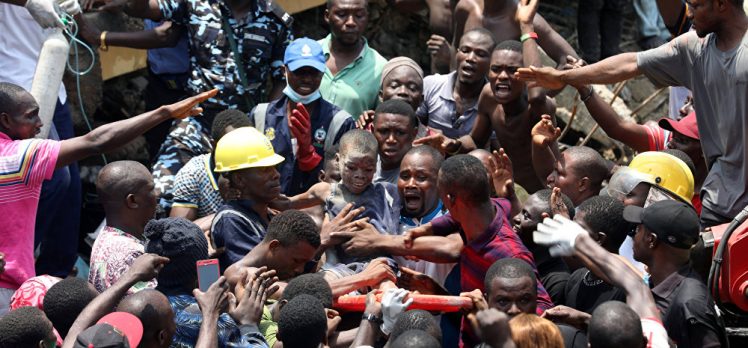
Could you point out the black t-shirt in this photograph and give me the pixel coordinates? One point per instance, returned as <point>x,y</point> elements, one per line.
<point>584,291</point>
<point>688,310</point>
<point>553,274</point>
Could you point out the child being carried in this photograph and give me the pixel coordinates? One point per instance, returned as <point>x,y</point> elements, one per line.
<point>357,158</point>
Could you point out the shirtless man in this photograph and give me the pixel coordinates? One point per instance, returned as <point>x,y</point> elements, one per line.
<point>440,24</point>
<point>499,17</point>
<point>506,106</point>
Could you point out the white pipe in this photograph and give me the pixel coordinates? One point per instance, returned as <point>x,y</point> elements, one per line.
<point>48,77</point>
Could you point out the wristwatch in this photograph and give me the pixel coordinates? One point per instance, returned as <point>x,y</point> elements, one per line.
<point>372,318</point>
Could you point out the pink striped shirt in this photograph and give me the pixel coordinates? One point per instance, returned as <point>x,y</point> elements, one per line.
<point>24,165</point>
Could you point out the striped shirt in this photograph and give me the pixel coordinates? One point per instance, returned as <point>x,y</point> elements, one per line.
<point>498,242</point>
<point>24,165</point>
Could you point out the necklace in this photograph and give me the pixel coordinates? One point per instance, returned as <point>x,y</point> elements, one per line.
<point>589,282</point>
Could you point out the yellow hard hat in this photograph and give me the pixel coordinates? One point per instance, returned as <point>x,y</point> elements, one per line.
<point>245,147</point>
<point>667,172</point>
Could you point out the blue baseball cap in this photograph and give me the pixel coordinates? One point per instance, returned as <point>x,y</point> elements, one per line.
<point>304,52</point>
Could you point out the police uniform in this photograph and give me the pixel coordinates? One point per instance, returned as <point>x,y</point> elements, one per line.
<point>293,180</point>
<point>261,38</point>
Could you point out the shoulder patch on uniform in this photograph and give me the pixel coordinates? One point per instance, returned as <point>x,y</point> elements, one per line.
<point>279,12</point>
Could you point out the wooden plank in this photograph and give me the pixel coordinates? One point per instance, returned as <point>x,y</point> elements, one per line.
<point>121,60</point>
<point>296,6</point>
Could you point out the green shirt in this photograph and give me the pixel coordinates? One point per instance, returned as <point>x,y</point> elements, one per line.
<point>355,88</point>
<point>267,326</point>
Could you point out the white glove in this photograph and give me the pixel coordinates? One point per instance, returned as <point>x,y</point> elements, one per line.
<point>559,233</point>
<point>44,13</point>
<point>392,306</point>
<point>72,7</point>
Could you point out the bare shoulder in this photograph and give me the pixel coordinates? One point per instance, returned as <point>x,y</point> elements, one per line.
<point>547,108</point>
<point>320,190</point>
<point>487,102</point>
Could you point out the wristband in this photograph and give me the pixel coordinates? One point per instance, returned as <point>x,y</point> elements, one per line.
<point>372,318</point>
<point>531,35</point>
<point>102,44</point>
<point>588,96</point>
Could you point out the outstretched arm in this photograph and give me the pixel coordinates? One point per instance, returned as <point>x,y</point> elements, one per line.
<point>113,135</point>
<point>312,197</point>
<point>567,238</point>
<point>610,266</point>
<point>610,70</point>
<point>165,35</point>
<point>627,132</point>
<point>145,267</point>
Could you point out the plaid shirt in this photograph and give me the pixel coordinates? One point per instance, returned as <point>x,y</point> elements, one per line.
<point>498,242</point>
<point>189,318</point>
<point>261,39</point>
<point>195,186</point>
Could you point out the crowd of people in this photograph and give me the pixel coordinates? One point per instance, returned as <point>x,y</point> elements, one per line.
<point>317,173</point>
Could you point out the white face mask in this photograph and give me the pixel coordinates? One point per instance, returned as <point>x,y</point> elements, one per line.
<point>298,98</point>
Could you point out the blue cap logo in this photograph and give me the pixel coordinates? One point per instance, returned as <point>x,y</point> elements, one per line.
<point>304,52</point>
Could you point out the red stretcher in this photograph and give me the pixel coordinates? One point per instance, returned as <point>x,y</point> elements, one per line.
<point>431,303</point>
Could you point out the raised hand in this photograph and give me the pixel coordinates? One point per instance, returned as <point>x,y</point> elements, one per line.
<point>439,49</point>
<point>502,174</point>
<point>544,133</point>
<point>545,77</point>
<point>214,300</point>
<point>526,10</point>
<point>440,142</point>
<point>559,233</point>
<point>301,127</point>
<point>146,267</point>
<point>188,107</point>
<point>260,286</point>
<point>365,119</point>
<point>557,204</point>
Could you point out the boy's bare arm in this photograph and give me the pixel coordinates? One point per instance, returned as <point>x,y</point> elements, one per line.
<point>314,196</point>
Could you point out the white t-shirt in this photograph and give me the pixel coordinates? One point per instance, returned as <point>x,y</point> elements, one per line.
<point>719,82</point>
<point>20,43</point>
